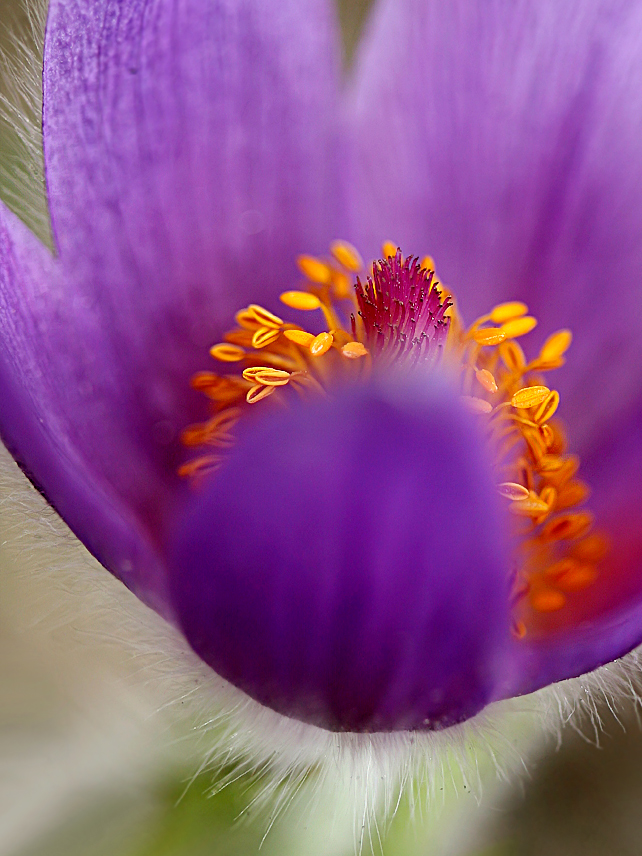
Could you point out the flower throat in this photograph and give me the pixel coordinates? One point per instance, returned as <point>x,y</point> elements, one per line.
<point>397,313</point>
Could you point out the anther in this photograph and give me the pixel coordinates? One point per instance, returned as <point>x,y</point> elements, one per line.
<point>265,318</point>
<point>513,491</point>
<point>508,311</point>
<point>555,346</point>
<point>548,495</point>
<point>489,336</point>
<point>531,506</point>
<point>593,548</point>
<point>265,336</point>
<point>203,465</point>
<point>547,408</point>
<point>347,256</point>
<point>512,356</point>
<point>487,380</point>
<point>476,405</point>
<point>258,393</point>
<point>272,377</point>
<point>299,337</point>
<point>303,300</point>
<point>227,353</point>
<point>315,270</point>
<point>321,344</point>
<point>548,600</point>
<point>354,350</point>
<point>577,578</point>
<point>529,396</point>
<point>519,326</point>
<point>568,526</point>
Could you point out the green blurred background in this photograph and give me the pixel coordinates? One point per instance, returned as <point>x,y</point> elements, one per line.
<point>90,766</point>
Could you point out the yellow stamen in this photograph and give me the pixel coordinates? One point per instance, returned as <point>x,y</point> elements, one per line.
<point>321,344</point>
<point>264,336</point>
<point>577,578</point>
<point>529,396</point>
<point>250,373</point>
<point>315,270</point>
<point>557,554</point>
<point>227,353</point>
<point>264,318</point>
<point>197,467</point>
<point>245,318</point>
<point>354,350</point>
<point>300,300</point>
<point>547,408</point>
<point>489,336</point>
<point>531,506</point>
<point>272,377</point>
<point>593,548</point>
<point>299,337</point>
<point>555,346</point>
<point>512,356</point>
<point>508,311</point>
<point>568,526</point>
<point>258,393</point>
<point>548,600</point>
<point>548,435</point>
<point>342,285</point>
<point>347,256</point>
<point>519,327</point>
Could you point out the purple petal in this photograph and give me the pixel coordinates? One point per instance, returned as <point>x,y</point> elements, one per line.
<point>503,138</point>
<point>189,159</point>
<point>347,566</point>
<point>37,427</point>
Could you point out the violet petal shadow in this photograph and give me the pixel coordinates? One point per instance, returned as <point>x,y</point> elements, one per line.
<point>347,567</point>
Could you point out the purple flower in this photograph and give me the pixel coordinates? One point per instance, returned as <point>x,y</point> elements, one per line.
<point>350,564</point>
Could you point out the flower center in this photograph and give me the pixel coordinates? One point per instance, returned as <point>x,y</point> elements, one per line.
<point>397,312</point>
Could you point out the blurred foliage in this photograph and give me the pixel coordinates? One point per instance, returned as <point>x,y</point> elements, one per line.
<point>352,17</point>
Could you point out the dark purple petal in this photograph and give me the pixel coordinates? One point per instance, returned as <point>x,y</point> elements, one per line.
<point>38,426</point>
<point>189,158</point>
<point>503,137</point>
<point>346,567</point>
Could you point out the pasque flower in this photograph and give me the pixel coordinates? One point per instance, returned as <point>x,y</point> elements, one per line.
<point>352,563</point>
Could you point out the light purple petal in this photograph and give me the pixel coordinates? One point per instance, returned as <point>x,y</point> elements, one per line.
<point>189,155</point>
<point>347,566</point>
<point>502,137</point>
<point>37,426</point>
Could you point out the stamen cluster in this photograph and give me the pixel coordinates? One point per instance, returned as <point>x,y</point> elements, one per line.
<point>399,313</point>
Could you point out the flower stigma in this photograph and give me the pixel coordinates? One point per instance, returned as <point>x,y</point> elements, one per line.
<point>397,312</point>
